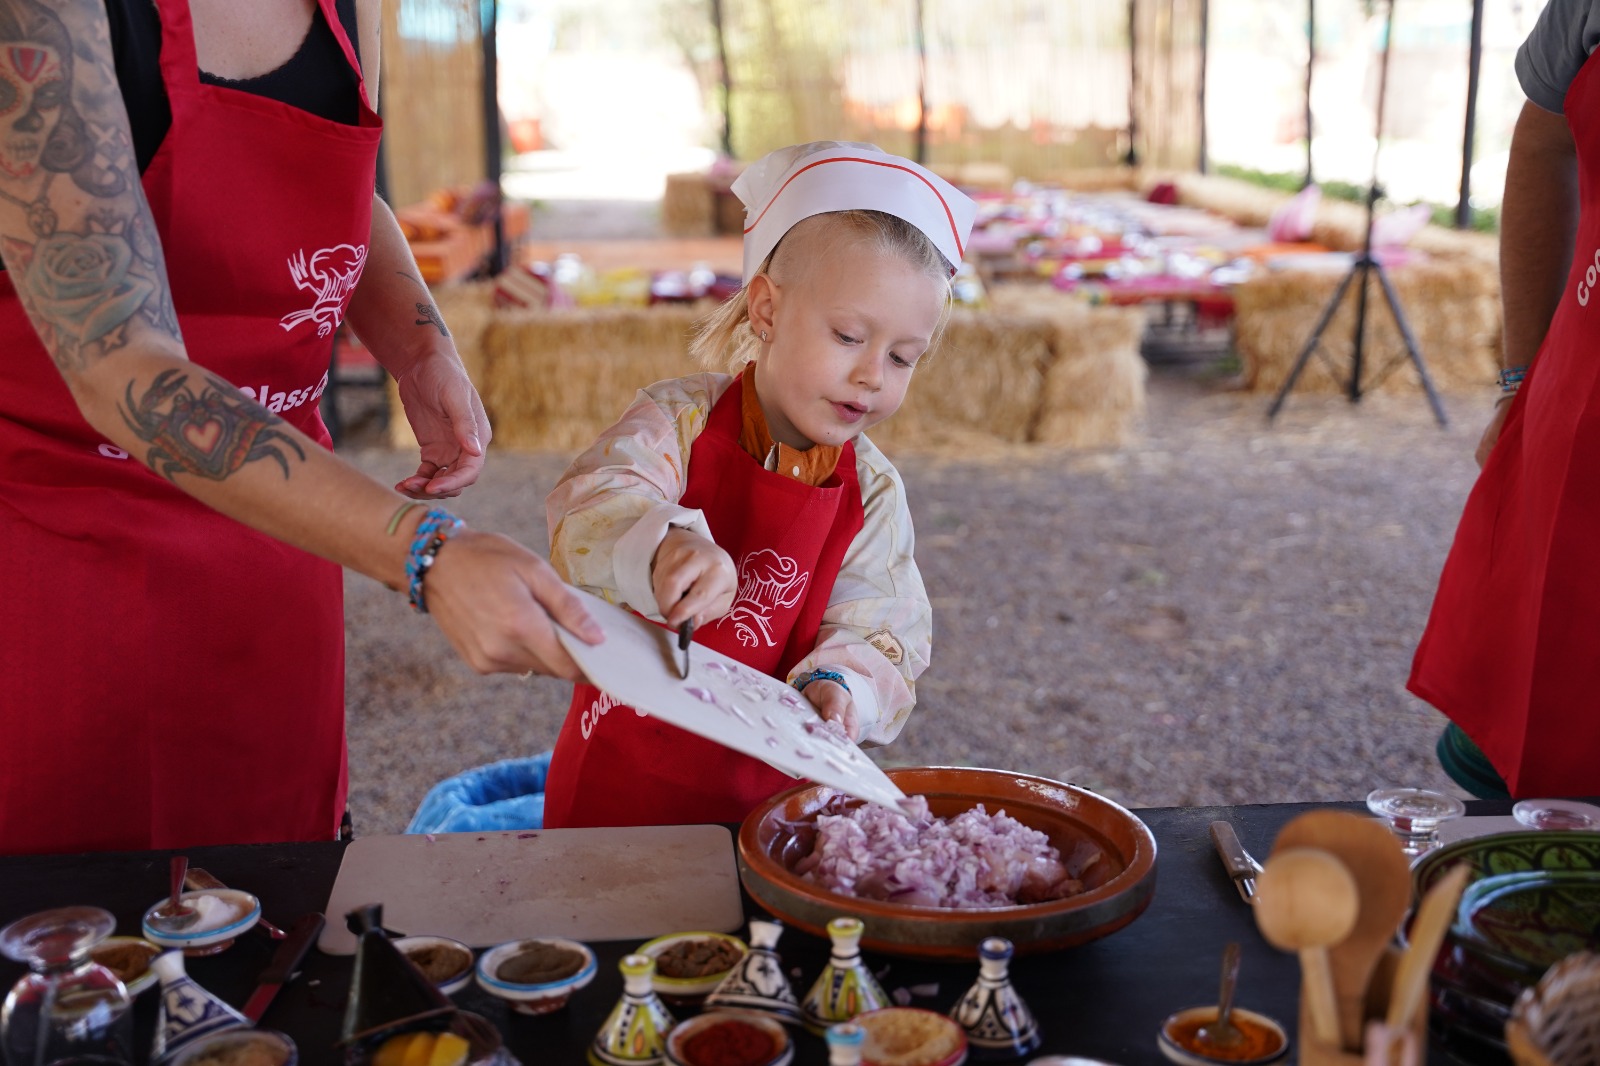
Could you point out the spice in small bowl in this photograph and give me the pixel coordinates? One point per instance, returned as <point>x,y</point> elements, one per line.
<point>910,1036</point>
<point>445,962</point>
<point>1263,1040</point>
<point>729,1038</point>
<point>536,976</point>
<point>128,957</point>
<point>690,965</point>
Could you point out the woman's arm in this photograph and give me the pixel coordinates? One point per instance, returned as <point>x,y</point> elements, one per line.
<point>1538,223</point>
<point>393,313</point>
<point>86,260</point>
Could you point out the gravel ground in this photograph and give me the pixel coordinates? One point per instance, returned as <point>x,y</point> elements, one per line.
<point>1223,613</point>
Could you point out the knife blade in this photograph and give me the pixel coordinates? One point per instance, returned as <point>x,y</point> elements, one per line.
<point>1241,866</point>
<point>685,638</point>
<point>285,962</point>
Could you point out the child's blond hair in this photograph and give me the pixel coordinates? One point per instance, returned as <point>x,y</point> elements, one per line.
<point>723,341</point>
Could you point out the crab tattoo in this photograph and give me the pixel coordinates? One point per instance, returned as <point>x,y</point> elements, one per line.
<point>210,435</point>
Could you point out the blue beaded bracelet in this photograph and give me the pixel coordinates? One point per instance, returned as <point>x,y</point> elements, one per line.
<point>1511,378</point>
<point>436,527</point>
<point>802,680</point>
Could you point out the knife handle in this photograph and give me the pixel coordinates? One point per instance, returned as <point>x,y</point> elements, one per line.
<point>1235,859</point>
<point>286,960</point>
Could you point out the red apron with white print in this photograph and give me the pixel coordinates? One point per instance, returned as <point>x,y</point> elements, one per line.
<point>617,766</point>
<point>171,677</point>
<point>1512,650</point>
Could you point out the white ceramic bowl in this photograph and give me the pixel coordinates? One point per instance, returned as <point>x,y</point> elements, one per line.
<point>210,941</point>
<point>146,978</point>
<point>688,989</point>
<point>408,944</point>
<point>783,1047</point>
<point>533,999</point>
<point>1185,1057</point>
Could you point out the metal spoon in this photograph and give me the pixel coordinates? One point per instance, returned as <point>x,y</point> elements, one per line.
<point>1222,1033</point>
<point>176,915</point>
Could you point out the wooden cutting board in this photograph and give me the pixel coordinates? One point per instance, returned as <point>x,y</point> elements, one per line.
<point>585,884</point>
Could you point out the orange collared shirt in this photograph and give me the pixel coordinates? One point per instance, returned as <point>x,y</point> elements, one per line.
<point>810,467</point>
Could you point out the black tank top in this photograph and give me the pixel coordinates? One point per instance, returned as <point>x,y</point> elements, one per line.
<point>315,79</point>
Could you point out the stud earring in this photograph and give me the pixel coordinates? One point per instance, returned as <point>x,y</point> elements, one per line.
<point>763,336</point>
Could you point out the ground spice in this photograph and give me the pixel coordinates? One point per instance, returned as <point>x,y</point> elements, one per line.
<point>731,1043</point>
<point>439,962</point>
<point>126,960</point>
<point>698,958</point>
<point>539,963</point>
<point>1259,1041</point>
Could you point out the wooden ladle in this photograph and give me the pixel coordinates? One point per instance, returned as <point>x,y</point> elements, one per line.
<point>1306,901</point>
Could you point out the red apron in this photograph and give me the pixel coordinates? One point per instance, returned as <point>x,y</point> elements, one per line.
<point>1512,650</point>
<point>172,678</point>
<point>616,766</point>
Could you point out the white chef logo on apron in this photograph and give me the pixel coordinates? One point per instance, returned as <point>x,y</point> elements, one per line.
<point>331,275</point>
<point>767,582</point>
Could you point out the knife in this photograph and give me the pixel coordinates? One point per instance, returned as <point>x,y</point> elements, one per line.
<point>285,962</point>
<point>685,637</point>
<point>1241,867</point>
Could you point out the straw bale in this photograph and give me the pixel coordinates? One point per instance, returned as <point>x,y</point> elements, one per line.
<point>554,380</point>
<point>687,206</point>
<point>976,174</point>
<point>1452,306</point>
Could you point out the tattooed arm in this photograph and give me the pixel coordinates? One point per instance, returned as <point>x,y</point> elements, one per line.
<point>84,256</point>
<point>393,313</point>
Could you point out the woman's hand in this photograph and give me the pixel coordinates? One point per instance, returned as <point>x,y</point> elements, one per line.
<point>1491,432</point>
<point>498,604</point>
<point>692,578</point>
<point>832,701</point>
<point>448,419</point>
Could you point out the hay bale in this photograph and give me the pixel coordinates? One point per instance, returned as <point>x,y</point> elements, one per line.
<point>1039,366</point>
<point>1096,179</point>
<point>687,206</point>
<point>555,380</point>
<point>1453,307</point>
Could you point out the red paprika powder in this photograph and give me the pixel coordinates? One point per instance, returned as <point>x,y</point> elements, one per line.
<point>729,1043</point>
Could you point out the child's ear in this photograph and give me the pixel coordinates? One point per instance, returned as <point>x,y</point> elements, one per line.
<point>761,298</point>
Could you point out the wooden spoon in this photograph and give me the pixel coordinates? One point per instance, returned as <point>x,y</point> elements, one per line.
<point>1374,858</point>
<point>1306,901</point>
<point>1434,915</point>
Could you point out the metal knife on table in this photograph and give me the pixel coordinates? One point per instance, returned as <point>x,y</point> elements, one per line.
<point>1242,868</point>
<point>285,962</point>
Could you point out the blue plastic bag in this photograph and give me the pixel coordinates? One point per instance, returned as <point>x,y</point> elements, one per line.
<point>499,796</point>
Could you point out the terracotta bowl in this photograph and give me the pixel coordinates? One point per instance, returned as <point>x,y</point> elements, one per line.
<point>775,836</point>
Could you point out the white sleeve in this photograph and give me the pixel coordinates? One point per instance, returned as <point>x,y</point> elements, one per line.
<point>878,628</point>
<point>615,503</point>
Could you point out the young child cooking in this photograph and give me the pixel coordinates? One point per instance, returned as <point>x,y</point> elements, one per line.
<point>753,505</point>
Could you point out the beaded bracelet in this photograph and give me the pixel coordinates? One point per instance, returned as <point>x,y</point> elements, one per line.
<point>1511,378</point>
<point>802,680</point>
<point>436,527</point>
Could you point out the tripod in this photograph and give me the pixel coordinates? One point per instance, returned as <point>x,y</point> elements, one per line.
<point>1364,266</point>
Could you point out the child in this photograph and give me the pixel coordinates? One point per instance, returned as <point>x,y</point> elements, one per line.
<point>753,505</point>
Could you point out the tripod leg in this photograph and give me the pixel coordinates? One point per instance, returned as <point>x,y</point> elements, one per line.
<point>1411,343</point>
<point>1312,342</point>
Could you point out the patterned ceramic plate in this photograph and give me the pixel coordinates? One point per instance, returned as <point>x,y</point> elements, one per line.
<point>1510,853</point>
<point>1531,919</point>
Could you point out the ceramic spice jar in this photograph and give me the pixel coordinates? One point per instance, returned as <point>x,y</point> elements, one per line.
<point>758,982</point>
<point>188,1012</point>
<point>635,1032</point>
<point>844,1044</point>
<point>846,987</point>
<point>998,1023</point>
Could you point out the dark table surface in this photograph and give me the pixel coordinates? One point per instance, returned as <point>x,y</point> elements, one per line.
<point>1103,1000</point>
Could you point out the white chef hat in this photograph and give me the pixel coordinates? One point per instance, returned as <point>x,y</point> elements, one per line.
<point>794,183</point>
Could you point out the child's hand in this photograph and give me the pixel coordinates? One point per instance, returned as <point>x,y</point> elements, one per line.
<point>832,701</point>
<point>692,578</point>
